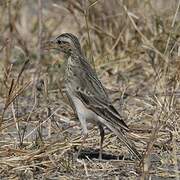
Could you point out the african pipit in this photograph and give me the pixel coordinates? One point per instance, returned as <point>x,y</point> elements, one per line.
<point>86,93</point>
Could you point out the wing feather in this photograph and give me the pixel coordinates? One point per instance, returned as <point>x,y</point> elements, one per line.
<point>94,96</point>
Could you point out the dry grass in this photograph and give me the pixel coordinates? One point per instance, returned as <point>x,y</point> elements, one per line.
<point>134,46</point>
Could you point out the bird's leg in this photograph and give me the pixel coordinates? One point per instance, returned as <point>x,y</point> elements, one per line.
<point>85,131</point>
<point>101,129</point>
<point>81,146</point>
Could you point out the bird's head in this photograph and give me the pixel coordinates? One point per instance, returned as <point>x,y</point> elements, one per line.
<point>66,43</point>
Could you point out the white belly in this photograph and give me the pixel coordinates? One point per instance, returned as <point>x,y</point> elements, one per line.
<point>84,114</point>
<point>82,111</point>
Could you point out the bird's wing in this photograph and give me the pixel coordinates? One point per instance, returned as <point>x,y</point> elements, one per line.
<point>93,95</point>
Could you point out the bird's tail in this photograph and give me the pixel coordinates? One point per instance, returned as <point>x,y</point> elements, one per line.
<point>122,136</point>
<point>130,145</point>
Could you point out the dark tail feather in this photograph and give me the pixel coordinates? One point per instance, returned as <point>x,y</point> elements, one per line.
<point>122,136</point>
<point>130,145</point>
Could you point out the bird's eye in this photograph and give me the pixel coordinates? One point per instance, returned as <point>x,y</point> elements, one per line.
<point>59,42</point>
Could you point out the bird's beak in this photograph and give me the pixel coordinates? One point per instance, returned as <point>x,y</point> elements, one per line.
<point>47,45</point>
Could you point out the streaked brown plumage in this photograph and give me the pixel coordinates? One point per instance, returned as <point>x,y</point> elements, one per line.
<point>86,93</point>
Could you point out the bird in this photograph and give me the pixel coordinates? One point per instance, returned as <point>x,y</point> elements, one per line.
<point>86,94</point>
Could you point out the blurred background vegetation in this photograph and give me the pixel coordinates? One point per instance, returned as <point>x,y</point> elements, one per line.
<point>134,46</point>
